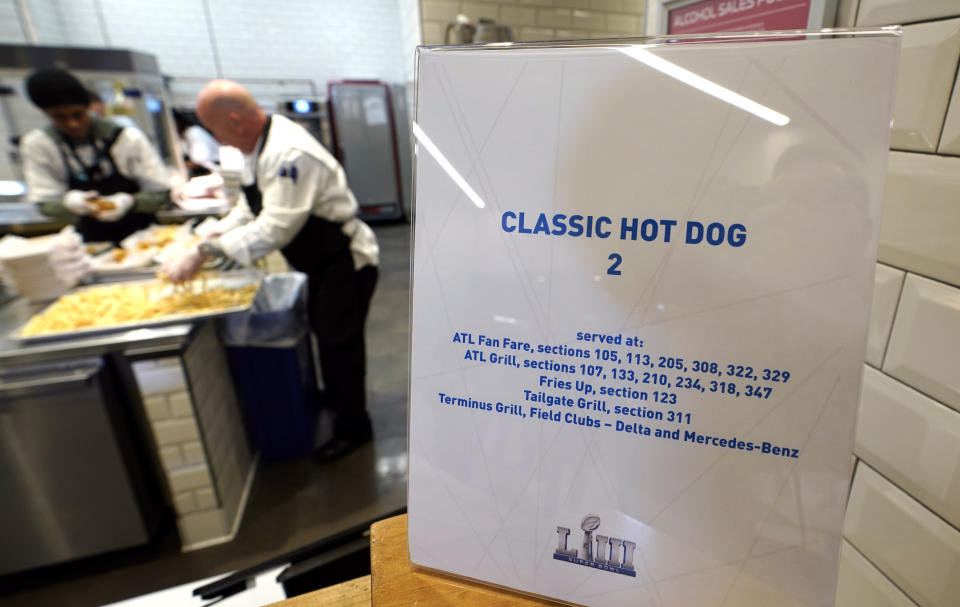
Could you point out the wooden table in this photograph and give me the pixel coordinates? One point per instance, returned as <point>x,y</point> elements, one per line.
<point>393,582</point>
<point>355,593</point>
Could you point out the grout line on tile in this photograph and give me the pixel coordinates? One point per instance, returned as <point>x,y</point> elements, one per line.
<point>878,570</point>
<point>920,392</point>
<point>920,274</point>
<point>910,495</point>
<point>893,321</point>
<point>946,111</point>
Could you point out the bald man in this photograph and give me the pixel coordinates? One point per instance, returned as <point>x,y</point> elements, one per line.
<point>296,200</point>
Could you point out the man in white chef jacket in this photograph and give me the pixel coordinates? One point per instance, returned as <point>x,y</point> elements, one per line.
<point>109,177</point>
<point>296,200</point>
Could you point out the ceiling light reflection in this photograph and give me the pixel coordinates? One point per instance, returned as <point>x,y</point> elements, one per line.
<point>446,166</point>
<point>707,86</point>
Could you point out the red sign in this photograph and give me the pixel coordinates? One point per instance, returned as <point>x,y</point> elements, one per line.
<point>738,16</point>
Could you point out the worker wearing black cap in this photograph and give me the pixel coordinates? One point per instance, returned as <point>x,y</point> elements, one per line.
<point>109,176</point>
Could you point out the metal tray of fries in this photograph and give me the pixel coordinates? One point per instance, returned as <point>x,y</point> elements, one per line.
<point>156,289</point>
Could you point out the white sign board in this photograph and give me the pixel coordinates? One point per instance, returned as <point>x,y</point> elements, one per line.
<point>642,279</point>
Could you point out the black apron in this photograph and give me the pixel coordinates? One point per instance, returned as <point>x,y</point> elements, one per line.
<point>319,241</point>
<point>338,299</point>
<point>103,177</point>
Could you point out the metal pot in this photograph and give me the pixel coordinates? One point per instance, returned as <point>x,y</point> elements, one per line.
<point>461,32</point>
<point>490,31</point>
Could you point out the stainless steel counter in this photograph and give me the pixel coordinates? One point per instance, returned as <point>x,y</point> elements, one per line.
<point>58,400</point>
<point>24,218</point>
<point>12,213</point>
<point>113,376</point>
<point>17,312</point>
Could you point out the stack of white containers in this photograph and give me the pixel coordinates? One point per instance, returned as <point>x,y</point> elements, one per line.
<point>43,268</point>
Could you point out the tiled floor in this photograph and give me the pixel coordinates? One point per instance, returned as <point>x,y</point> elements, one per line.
<point>293,503</point>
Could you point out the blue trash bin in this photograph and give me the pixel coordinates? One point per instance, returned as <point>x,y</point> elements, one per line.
<point>273,367</point>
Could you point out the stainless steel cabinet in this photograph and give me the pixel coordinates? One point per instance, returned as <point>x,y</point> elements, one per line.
<point>67,486</point>
<point>365,138</point>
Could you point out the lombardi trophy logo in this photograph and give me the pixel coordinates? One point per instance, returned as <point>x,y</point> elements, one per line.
<point>612,554</point>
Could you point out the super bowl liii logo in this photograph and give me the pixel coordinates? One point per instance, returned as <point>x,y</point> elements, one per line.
<point>611,553</point>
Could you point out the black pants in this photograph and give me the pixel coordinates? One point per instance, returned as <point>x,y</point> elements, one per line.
<point>339,299</point>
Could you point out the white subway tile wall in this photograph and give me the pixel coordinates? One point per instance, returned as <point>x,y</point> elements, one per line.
<point>158,407</point>
<point>206,499</point>
<point>918,551</point>
<point>923,350</point>
<point>199,529</point>
<point>411,37</point>
<point>171,457</point>
<point>11,29</point>
<point>184,503</point>
<point>847,13</point>
<point>47,21</point>
<point>227,451</point>
<point>174,30</point>
<point>192,453</point>
<point>325,40</point>
<point>912,440</point>
<point>193,477</point>
<point>160,380</point>
<point>887,12</point>
<point>175,431</point>
<point>83,23</point>
<point>200,438</point>
<point>319,40</point>
<point>536,20</point>
<point>179,404</point>
<point>886,294</point>
<point>554,17</point>
<point>902,541</point>
<point>928,62</point>
<point>860,584</point>
<point>950,138</point>
<point>482,10</point>
<point>921,215</point>
<point>169,408</point>
<point>518,16</point>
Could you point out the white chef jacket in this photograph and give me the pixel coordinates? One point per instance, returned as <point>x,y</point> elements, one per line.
<point>317,186</point>
<point>47,177</point>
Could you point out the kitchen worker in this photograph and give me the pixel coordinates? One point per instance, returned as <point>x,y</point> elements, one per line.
<point>296,200</point>
<point>201,151</point>
<point>108,176</point>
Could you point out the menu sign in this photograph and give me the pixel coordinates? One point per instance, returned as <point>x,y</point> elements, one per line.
<point>641,286</point>
<point>738,16</point>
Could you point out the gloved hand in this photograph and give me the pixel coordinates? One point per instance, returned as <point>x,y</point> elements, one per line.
<point>176,192</point>
<point>205,186</point>
<point>69,257</point>
<point>121,201</point>
<point>76,201</point>
<point>184,266</point>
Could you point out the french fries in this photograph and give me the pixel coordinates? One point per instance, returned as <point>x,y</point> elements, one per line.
<point>119,304</point>
<point>101,204</point>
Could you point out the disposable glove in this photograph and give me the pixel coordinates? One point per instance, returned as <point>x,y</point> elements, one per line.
<point>69,257</point>
<point>114,206</point>
<point>184,266</point>
<point>77,201</point>
<point>205,186</point>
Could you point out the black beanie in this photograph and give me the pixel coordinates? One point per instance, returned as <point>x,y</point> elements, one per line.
<point>53,87</point>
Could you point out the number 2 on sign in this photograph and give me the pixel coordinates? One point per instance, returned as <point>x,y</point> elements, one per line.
<point>616,259</point>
